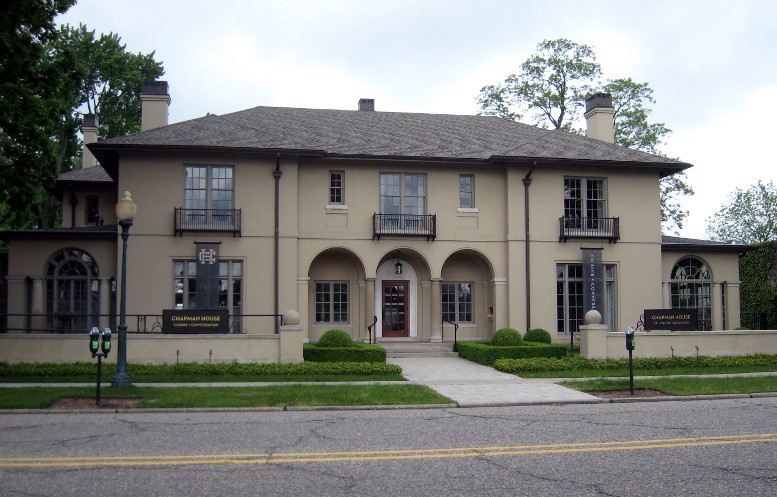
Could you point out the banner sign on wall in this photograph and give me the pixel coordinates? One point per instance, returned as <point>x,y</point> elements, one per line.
<point>191,321</point>
<point>207,280</point>
<point>672,319</point>
<point>593,282</point>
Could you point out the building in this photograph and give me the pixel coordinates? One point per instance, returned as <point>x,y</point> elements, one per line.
<point>392,224</point>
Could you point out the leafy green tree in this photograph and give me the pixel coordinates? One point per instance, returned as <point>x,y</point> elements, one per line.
<point>31,106</point>
<point>110,78</point>
<point>749,217</point>
<point>69,72</point>
<point>552,87</point>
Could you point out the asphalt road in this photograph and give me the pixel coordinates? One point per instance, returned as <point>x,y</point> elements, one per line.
<point>704,448</point>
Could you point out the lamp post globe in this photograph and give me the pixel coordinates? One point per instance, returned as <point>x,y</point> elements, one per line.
<point>125,213</point>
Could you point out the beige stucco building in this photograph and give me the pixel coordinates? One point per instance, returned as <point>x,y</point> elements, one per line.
<point>409,221</point>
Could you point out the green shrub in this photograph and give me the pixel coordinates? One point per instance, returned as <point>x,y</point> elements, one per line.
<point>511,365</point>
<point>191,368</point>
<point>506,337</point>
<point>537,335</point>
<point>357,352</point>
<point>485,353</point>
<point>335,338</point>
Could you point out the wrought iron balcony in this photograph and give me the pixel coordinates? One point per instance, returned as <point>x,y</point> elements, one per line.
<point>404,225</point>
<point>224,220</point>
<point>607,228</point>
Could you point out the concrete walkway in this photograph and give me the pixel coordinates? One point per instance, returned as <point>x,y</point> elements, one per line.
<point>471,384</point>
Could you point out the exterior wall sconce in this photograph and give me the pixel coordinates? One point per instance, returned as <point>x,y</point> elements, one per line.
<point>398,267</point>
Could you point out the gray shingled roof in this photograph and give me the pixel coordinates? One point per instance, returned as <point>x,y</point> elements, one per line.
<point>95,174</point>
<point>681,244</point>
<point>371,134</point>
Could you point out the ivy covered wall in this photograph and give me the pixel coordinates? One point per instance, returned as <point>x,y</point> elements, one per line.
<point>758,291</point>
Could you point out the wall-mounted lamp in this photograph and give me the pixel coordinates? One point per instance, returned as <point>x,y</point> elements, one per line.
<point>398,267</point>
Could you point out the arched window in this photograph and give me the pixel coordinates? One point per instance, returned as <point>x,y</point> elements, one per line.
<point>72,291</point>
<point>691,288</point>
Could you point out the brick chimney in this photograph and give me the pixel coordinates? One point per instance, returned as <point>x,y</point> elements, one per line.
<point>155,103</point>
<point>367,104</point>
<point>90,130</point>
<point>599,117</point>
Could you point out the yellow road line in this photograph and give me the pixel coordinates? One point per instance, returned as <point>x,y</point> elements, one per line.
<point>381,455</point>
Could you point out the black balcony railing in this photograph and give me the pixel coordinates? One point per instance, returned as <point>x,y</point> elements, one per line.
<point>607,228</point>
<point>404,225</point>
<point>224,220</point>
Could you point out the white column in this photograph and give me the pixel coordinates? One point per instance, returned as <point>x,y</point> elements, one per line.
<point>733,311</point>
<point>38,320</point>
<point>369,308</point>
<point>717,305</point>
<point>436,310</point>
<point>105,303</point>
<point>666,295</point>
<point>501,306</point>
<point>302,301</point>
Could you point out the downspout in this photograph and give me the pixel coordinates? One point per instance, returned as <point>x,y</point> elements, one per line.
<point>526,184</point>
<point>277,175</point>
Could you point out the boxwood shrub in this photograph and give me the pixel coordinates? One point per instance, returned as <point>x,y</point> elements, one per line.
<point>537,335</point>
<point>511,365</point>
<point>335,338</point>
<point>485,353</point>
<point>192,368</point>
<point>358,352</point>
<point>506,337</point>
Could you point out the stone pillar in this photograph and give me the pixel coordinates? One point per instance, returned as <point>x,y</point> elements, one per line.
<point>733,311</point>
<point>717,306</point>
<point>436,311</point>
<point>666,295</point>
<point>105,303</point>
<point>501,306</point>
<point>593,337</point>
<point>38,319</point>
<point>17,296</point>
<point>369,308</point>
<point>291,338</point>
<point>426,291</point>
<point>361,331</point>
<point>302,300</point>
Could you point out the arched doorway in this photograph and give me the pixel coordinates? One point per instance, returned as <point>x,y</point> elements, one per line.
<point>72,290</point>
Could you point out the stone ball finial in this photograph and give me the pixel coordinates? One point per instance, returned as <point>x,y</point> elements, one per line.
<point>291,317</point>
<point>593,317</point>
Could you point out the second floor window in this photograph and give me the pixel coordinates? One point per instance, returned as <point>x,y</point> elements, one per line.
<point>336,187</point>
<point>466,191</point>
<point>585,198</point>
<point>402,193</point>
<point>209,187</point>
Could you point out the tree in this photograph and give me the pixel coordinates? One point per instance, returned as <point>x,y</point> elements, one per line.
<point>71,72</point>
<point>30,106</point>
<point>553,85</point>
<point>110,78</point>
<point>750,216</point>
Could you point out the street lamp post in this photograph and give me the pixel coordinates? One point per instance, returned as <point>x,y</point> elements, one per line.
<point>125,212</point>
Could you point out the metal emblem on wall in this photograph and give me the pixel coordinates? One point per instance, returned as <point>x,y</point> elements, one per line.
<point>207,280</point>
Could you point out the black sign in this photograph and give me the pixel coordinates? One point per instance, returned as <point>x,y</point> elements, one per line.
<point>207,280</point>
<point>672,319</point>
<point>593,281</point>
<point>195,321</point>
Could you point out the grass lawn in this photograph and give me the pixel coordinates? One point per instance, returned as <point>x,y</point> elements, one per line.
<point>683,386</point>
<point>597,373</point>
<point>274,396</point>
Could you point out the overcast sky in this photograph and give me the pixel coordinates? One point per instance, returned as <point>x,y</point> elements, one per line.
<point>712,64</point>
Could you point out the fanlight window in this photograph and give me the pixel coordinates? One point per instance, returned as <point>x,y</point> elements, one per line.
<point>691,288</point>
<point>72,291</point>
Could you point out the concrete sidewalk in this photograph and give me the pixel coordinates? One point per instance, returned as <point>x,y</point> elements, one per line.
<point>470,384</point>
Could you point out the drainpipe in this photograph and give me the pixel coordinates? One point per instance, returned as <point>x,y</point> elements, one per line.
<point>277,175</point>
<point>526,184</point>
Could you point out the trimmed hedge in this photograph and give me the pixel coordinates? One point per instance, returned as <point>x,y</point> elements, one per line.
<point>335,338</point>
<point>358,352</point>
<point>485,353</point>
<point>190,368</point>
<point>506,337</point>
<point>646,363</point>
<point>537,335</point>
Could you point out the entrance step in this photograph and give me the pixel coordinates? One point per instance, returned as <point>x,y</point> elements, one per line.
<point>417,349</point>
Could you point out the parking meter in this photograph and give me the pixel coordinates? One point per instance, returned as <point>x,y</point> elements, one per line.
<point>630,339</point>
<point>106,341</point>
<point>94,341</point>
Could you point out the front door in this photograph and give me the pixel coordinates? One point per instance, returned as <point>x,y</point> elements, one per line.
<point>395,300</point>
